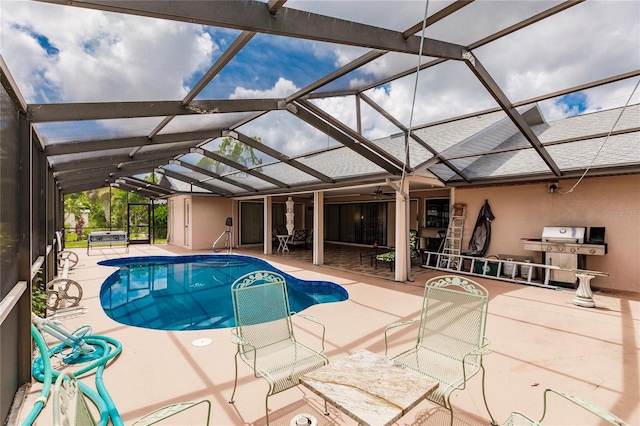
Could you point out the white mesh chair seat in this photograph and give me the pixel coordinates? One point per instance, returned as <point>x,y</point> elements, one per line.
<point>443,369</point>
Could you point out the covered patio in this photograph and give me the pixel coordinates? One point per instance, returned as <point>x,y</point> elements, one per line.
<point>539,340</point>
<point>216,106</point>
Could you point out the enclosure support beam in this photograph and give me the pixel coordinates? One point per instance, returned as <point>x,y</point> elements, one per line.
<point>268,221</point>
<point>318,228</point>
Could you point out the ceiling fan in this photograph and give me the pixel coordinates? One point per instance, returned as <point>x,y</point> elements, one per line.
<point>378,193</point>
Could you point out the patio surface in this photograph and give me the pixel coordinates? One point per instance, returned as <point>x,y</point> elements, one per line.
<point>539,338</point>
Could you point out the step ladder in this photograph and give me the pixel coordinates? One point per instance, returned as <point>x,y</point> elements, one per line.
<point>452,243</point>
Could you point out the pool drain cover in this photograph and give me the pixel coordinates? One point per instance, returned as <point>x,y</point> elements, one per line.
<point>201,342</point>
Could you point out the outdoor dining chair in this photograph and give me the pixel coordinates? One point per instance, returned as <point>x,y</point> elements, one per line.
<point>451,337</point>
<point>390,256</point>
<point>517,418</point>
<point>264,334</point>
<point>70,407</point>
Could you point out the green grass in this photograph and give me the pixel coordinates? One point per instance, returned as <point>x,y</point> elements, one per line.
<point>83,243</point>
<point>75,244</point>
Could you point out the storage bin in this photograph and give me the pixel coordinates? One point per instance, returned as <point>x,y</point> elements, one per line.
<point>491,267</point>
<point>525,271</point>
<point>508,267</point>
<point>458,209</point>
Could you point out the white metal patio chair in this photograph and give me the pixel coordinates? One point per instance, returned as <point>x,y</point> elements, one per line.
<point>517,418</point>
<point>70,406</point>
<point>451,337</point>
<point>264,334</point>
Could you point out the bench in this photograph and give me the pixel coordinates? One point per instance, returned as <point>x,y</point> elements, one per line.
<point>107,239</point>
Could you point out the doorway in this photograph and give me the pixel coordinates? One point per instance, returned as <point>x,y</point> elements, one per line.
<point>139,223</point>
<point>187,222</point>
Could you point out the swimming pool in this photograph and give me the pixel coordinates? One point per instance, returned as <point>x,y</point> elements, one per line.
<point>193,292</point>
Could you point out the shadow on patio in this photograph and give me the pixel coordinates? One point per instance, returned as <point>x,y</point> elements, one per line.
<point>539,339</point>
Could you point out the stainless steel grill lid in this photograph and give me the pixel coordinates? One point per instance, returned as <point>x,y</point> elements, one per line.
<point>564,234</point>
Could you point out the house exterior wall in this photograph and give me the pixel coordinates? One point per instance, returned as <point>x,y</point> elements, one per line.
<point>521,211</point>
<point>206,224</point>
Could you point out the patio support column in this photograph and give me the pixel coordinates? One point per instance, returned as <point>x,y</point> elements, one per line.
<point>402,232</point>
<point>318,228</point>
<point>26,228</point>
<point>268,229</point>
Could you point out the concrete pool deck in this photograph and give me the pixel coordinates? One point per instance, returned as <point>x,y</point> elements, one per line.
<point>539,338</point>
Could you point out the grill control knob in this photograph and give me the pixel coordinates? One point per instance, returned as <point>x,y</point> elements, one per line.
<point>560,249</point>
<point>572,250</point>
<point>549,248</point>
<point>592,251</point>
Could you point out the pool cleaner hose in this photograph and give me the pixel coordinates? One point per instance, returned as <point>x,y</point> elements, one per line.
<point>96,351</point>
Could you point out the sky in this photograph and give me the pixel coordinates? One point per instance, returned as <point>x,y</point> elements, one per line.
<point>65,54</point>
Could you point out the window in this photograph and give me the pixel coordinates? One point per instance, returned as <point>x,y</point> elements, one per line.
<point>251,223</point>
<point>357,223</point>
<point>436,212</point>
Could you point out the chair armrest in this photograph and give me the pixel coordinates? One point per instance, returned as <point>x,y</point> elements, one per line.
<point>592,408</point>
<point>478,351</point>
<point>317,321</point>
<point>171,410</point>
<point>391,326</point>
<point>517,418</point>
<point>240,341</point>
<point>237,339</point>
<point>482,350</point>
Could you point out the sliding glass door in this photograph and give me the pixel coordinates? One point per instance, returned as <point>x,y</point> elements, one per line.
<point>356,223</point>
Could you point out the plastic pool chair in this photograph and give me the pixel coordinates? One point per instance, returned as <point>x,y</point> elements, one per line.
<point>519,419</point>
<point>264,334</point>
<point>70,406</point>
<point>451,337</point>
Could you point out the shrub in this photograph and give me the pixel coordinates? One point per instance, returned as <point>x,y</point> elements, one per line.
<point>39,296</point>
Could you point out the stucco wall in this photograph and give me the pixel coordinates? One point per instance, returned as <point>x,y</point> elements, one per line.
<point>522,211</point>
<point>207,222</point>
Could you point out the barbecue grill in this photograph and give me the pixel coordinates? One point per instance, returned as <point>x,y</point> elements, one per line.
<point>565,247</point>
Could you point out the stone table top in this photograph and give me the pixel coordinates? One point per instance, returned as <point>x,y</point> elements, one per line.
<point>370,389</point>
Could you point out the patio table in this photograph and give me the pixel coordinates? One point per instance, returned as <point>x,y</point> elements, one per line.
<point>369,388</point>
<point>282,242</point>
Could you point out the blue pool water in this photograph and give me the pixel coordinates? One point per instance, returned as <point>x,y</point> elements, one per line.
<point>193,292</point>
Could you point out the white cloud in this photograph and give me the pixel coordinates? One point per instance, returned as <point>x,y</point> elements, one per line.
<point>585,43</point>
<point>282,88</point>
<point>134,58</point>
<point>280,129</point>
<point>100,56</point>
